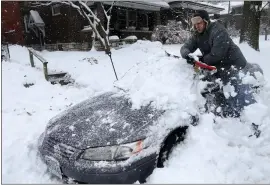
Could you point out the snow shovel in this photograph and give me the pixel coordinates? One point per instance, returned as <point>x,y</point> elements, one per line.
<point>197,64</point>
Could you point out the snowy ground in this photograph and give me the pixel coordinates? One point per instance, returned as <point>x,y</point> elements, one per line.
<point>212,153</point>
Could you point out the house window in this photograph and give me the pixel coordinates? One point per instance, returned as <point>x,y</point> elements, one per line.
<point>142,20</point>
<point>56,10</point>
<point>132,18</point>
<point>122,19</point>
<point>126,19</point>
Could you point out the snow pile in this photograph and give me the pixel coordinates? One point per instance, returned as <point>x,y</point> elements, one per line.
<point>132,37</point>
<point>216,151</point>
<point>146,82</point>
<point>113,38</point>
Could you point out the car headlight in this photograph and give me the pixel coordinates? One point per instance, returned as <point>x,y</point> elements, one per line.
<point>113,153</point>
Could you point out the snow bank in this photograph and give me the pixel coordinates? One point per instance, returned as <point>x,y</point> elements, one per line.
<point>214,152</point>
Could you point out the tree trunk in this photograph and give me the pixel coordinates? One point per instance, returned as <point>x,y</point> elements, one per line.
<point>251,23</point>
<point>244,22</point>
<point>228,17</point>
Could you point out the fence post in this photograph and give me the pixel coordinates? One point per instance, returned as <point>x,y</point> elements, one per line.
<point>45,70</point>
<point>31,59</point>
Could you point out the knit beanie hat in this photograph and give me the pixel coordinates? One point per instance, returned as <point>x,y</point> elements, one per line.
<point>203,14</point>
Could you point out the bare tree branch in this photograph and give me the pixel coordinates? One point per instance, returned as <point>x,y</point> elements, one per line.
<point>94,22</point>
<point>264,6</point>
<point>89,10</point>
<point>108,17</point>
<point>72,5</point>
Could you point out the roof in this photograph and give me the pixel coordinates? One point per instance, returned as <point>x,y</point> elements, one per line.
<point>195,5</point>
<point>143,4</point>
<point>161,4</point>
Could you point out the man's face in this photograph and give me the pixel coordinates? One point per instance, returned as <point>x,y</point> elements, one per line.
<point>200,27</point>
<point>198,24</point>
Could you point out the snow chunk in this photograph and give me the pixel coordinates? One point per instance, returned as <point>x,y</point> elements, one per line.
<point>229,90</point>
<point>71,128</point>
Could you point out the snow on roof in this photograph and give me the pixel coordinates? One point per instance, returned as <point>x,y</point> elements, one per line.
<point>161,4</point>
<point>199,2</point>
<point>195,5</point>
<point>143,4</point>
<point>210,4</point>
<point>36,17</point>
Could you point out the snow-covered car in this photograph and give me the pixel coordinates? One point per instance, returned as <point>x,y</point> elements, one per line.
<point>105,140</point>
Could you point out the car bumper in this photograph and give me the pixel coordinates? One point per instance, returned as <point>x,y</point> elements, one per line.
<point>137,171</point>
<point>84,171</point>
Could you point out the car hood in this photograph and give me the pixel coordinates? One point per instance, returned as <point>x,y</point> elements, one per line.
<point>107,119</point>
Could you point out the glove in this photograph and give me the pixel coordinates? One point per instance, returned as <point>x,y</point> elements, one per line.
<point>190,60</point>
<point>201,59</point>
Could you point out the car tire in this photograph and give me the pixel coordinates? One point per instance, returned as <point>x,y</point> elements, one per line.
<point>142,181</point>
<point>176,137</point>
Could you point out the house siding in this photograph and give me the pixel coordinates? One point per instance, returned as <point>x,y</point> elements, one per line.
<point>63,28</point>
<point>11,22</point>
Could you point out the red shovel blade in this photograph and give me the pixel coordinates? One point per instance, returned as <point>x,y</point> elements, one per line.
<point>204,66</point>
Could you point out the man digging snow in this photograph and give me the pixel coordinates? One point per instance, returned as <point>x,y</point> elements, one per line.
<point>219,50</point>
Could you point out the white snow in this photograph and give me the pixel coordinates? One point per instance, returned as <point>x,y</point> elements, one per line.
<point>36,17</point>
<point>113,37</point>
<point>217,152</point>
<point>87,28</point>
<point>158,3</point>
<point>132,37</point>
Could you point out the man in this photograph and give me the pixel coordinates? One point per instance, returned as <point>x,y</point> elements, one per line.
<point>219,50</point>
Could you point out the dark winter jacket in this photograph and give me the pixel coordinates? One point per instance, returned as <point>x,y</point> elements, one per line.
<point>217,48</point>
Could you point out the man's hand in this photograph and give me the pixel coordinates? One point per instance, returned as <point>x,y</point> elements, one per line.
<point>190,60</point>
<point>201,59</point>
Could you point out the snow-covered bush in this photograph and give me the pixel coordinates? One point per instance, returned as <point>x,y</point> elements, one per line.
<point>172,33</point>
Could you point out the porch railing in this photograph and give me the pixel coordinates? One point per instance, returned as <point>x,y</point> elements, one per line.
<point>33,53</point>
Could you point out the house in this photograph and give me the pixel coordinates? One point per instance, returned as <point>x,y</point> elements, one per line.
<point>61,27</point>
<point>134,18</point>
<point>55,27</point>
<point>58,26</point>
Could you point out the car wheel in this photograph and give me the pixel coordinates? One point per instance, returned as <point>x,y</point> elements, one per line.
<point>142,181</point>
<point>171,141</point>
